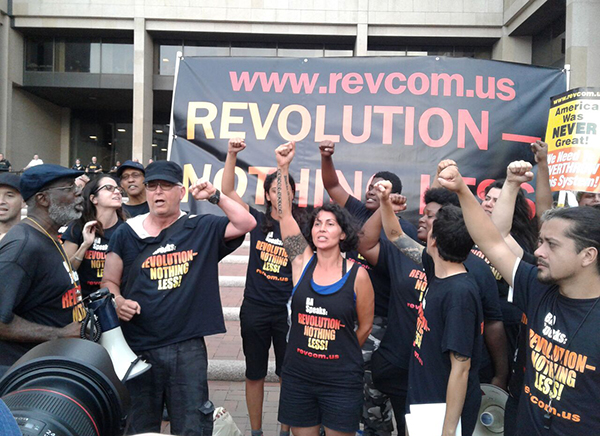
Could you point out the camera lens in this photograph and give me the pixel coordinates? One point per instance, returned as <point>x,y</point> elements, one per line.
<point>66,387</point>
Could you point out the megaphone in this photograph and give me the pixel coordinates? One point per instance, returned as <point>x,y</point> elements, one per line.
<point>102,307</point>
<point>491,412</point>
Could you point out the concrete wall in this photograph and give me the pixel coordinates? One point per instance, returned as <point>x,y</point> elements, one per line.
<point>582,50</point>
<point>36,128</point>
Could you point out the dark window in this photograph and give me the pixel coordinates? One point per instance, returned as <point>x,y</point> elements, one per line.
<point>39,55</point>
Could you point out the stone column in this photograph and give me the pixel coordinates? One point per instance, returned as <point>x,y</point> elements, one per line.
<point>142,92</point>
<point>582,45</point>
<point>4,84</point>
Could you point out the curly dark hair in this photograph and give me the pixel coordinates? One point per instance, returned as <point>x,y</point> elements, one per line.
<point>451,235</point>
<point>524,227</point>
<point>392,178</point>
<point>345,220</point>
<point>441,196</point>
<point>89,209</point>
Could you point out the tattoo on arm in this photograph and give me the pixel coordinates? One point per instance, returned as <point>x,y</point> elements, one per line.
<point>460,357</point>
<point>279,193</point>
<point>287,190</point>
<point>410,248</point>
<point>294,246</point>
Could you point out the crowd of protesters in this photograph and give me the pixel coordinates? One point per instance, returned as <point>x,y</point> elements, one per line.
<point>367,313</point>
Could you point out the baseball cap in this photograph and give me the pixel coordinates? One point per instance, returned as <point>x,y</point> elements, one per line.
<point>164,170</point>
<point>8,179</point>
<point>130,164</point>
<point>35,178</point>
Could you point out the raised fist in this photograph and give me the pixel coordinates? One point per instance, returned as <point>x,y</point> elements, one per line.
<point>519,172</point>
<point>202,190</point>
<point>327,148</point>
<point>236,145</point>
<point>285,153</point>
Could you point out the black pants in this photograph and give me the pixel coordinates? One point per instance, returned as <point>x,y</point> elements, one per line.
<point>392,381</point>
<point>178,378</point>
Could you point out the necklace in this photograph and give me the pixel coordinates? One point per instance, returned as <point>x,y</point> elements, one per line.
<point>62,254</point>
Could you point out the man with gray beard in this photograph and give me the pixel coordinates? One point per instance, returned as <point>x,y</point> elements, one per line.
<point>39,290</point>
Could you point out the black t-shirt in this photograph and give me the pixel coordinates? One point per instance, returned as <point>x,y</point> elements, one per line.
<point>322,345</point>
<point>4,165</point>
<point>269,276</point>
<point>177,284</point>
<point>451,320</point>
<point>35,285</point>
<point>93,167</point>
<point>78,167</point>
<point>91,268</point>
<point>135,210</point>
<point>380,281</point>
<point>563,357</point>
<point>408,284</point>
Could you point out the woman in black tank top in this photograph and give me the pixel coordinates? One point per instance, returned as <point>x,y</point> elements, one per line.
<point>323,367</point>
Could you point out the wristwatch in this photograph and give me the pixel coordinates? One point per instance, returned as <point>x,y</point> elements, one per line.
<point>215,198</point>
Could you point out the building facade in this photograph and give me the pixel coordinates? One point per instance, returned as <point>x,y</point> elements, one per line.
<point>83,78</point>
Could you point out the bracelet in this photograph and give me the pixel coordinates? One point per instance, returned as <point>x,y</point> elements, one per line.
<point>78,258</point>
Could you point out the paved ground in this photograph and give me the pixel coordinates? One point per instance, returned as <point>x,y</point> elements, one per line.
<point>231,396</point>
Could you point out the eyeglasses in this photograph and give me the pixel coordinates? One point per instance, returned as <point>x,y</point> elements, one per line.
<point>110,188</point>
<point>134,176</point>
<point>71,188</point>
<point>165,186</point>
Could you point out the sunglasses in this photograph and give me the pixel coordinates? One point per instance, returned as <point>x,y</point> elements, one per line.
<point>165,186</point>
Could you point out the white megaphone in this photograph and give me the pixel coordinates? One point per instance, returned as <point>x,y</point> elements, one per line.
<point>127,365</point>
<point>491,412</point>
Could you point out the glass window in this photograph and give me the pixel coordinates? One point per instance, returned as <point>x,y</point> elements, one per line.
<point>339,50</point>
<point>77,56</point>
<point>117,58</point>
<point>197,48</point>
<point>267,49</point>
<point>160,141</point>
<point>39,54</point>
<point>300,50</point>
<point>168,57</point>
<point>103,134</point>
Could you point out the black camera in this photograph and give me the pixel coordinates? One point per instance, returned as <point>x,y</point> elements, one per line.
<point>66,387</point>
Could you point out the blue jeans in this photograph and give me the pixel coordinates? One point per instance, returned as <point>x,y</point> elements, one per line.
<point>178,378</point>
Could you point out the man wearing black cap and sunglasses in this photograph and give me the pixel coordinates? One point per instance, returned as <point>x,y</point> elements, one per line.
<point>163,269</point>
<point>39,291</point>
<point>131,175</point>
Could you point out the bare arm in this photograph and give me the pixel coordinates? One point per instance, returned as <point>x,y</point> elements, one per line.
<point>228,183</point>
<point>481,228</point>
<point>517,172</point>
<point>76,252</point>
<point>456,391</point>
<point>330,178</point>
<point>543,193</point>
<point>240,220</point>
<point>368,245</point>
<point>408,246</point>
<point>113,272</point>
<point>297,248</point>
<point>365,305</point>
<point>494,336</point>
<point>21,330</point>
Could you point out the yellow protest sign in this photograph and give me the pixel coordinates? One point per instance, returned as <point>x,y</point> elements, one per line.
<point>573,138</point>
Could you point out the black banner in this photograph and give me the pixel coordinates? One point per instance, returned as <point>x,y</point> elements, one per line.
<point>396,114</point>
